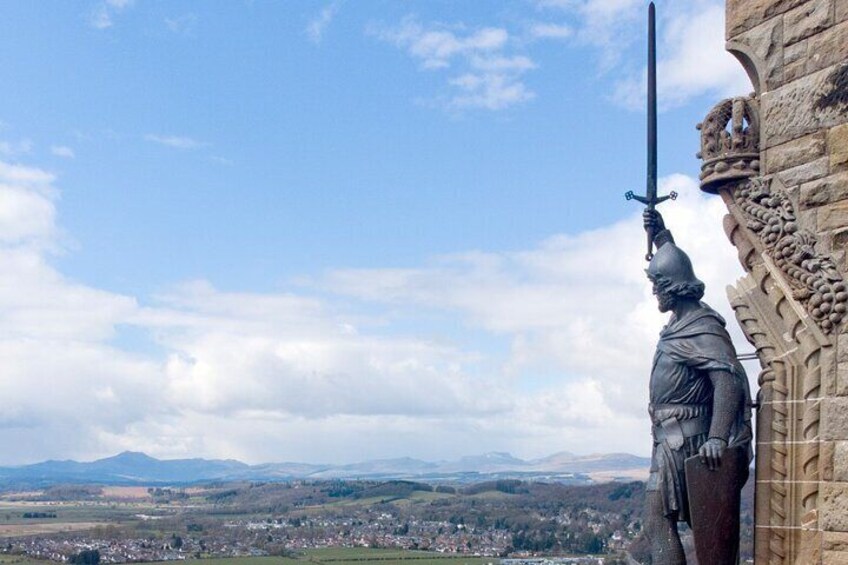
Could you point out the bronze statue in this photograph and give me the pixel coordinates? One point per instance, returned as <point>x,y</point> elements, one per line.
<point>700,411</point>
<point>699,397</point>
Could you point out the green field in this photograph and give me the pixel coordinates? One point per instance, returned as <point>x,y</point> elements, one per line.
<point>19,560</point>
<point>12,513</point>
<point>355,556</point>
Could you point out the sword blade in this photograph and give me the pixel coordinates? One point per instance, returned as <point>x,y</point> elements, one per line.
<point>651,188</point>
<point>651,191</point>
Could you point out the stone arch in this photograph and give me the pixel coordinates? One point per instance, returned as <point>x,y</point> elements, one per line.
<point>752,64</point>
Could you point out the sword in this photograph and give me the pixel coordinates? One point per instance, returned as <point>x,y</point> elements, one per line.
<point>650,200</point>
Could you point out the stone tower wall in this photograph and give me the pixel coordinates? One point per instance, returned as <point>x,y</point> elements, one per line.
<point>788,218</point>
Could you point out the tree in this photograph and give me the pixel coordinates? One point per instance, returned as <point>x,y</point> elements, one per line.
<point>86,557</point>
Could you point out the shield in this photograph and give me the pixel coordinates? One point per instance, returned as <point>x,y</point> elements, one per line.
<point>714,498</point>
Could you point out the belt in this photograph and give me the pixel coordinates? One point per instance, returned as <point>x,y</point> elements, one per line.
<point>660,412</point>
<point>673,431</point>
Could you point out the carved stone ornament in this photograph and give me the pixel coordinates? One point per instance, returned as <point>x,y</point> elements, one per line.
<point>730,142</point>
<point>814,279</point>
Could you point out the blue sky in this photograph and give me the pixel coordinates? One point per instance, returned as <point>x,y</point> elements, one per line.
<point>306,218</point>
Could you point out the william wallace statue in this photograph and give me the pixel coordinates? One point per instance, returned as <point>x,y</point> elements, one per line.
<point>699,397</point>
<point>699,408</point>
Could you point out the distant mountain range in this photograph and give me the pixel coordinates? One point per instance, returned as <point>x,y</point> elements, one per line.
<point>132,468</point>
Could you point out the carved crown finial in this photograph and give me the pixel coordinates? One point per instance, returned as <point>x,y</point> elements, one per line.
<point>730,143</point>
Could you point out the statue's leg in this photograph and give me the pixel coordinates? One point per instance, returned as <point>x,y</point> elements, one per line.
<point>661,530</point>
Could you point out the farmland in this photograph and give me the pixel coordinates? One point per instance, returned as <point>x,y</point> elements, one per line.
<point>323,522</point>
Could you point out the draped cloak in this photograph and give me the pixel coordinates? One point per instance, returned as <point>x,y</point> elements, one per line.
<point>681,392</point>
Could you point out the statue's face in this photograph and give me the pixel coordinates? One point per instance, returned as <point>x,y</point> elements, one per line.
<point>665,299</point>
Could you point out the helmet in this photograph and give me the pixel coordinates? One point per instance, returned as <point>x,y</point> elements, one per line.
<point>672,270</point>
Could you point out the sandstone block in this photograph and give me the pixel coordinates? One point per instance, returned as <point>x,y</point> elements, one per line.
<point>841,11</point>
<point>807,19</point>
<point>837,146</point>
<point>805,173</point>
<point>809,550</point>
<point>833,217</point>
<point>835,541</point>
<point>834,558</point>
<point>831,103</point>
<point>834,420</point>
<point>808,219</point>
<point>840,461</point>
<point>822,50</point>
<point>826,460</point>
<point>833,188</point>
<point>833,500</point>
<point>743,15</point>
<point>795,60</point>
<point>766,41</point>
<point>795,152</point>
<point>842,381</point>
<point>804,106</point>
<point>842,348</point>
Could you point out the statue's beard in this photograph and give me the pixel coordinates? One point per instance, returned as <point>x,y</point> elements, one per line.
<point>665,301</point>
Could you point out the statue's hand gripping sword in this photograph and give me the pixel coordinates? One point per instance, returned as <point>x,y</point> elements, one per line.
<point>650,200</point>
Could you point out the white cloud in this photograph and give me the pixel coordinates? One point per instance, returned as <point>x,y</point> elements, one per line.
<point>550,31</point>
<point>15,148</point>
<point>491,91</point>
<point>691,56</point>
<point>222,160</point>
<point>175,141</point>
<point>489,76</point>
<point>577,307</point>
<point>608,25</point>
<point>101,19</point>
<point>183,24</point>
<point>103,15</point>
<point>62,151</point>
<point>562,334</point>
<point>692,62</point>
<point>318,25</point>
<point>29,177</point>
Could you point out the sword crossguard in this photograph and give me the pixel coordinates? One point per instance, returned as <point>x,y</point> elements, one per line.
<point>650,201</point>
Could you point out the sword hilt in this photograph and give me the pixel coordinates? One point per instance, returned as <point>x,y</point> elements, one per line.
<point>651,202</point>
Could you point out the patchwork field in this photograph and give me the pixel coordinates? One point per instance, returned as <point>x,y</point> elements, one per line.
<point>45,527</point>
<point>18,560</point>
<point>356,556</point>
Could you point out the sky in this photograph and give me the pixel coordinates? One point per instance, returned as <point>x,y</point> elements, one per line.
<point>332,231</point>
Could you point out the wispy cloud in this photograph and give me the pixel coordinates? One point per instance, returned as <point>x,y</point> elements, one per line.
<point>691,56</point>
<point>15,148</point>
<point>184,24</point>
<point>485,73</point>
<point>222,160</point>
<point>175,141</point>
<point>550,31</point>
<point>318,25</point>
<point>692,61</point>
<point>103,15</point>
<point>62,151</point>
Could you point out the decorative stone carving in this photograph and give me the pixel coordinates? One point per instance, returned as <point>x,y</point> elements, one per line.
<point>730,152</point>
<point>794,355</point>
<point>730,142</point>
<point>813,277</point>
